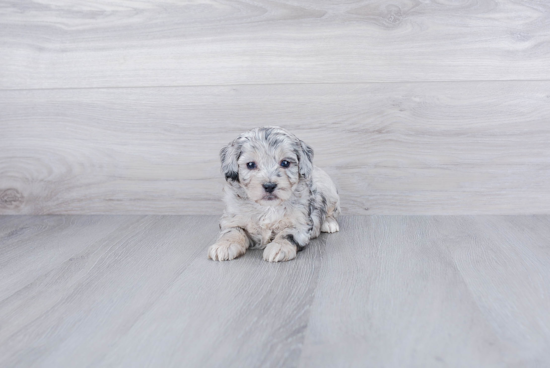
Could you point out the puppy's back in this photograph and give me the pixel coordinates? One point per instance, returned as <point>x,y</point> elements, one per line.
<point>324,184</point>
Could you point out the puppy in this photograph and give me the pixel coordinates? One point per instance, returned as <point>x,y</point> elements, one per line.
<point>275,198</point>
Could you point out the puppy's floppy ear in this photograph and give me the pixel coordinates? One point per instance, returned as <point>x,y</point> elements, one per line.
<point>305,155</point>
<point>229,156</point>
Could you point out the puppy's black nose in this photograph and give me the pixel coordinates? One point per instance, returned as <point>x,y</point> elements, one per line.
<point>269,187</point>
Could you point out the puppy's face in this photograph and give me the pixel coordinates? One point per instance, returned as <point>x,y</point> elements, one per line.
<point>268,174</point>
<point>268,163</point>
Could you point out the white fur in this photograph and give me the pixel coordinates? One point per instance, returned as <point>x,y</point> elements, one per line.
<point>303,203</point>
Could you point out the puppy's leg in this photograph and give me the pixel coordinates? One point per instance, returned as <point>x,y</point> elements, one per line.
<point>285,246</point>
<point>231,244</point>
<point>330,225</point>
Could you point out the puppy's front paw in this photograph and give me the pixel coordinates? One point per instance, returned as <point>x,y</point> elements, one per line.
<point>225,251</point>
<point>278,252</point>
<point>330,225</point>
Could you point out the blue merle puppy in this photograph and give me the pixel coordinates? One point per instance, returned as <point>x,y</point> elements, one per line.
<point>276,199</point>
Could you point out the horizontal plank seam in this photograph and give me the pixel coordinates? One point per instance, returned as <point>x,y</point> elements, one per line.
<point>283,84</point>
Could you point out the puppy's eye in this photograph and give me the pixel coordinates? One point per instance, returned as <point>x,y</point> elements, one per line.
<point>251,165</point>
<point>285,163</point>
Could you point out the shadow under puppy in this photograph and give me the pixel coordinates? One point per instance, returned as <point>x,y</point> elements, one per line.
<point>275,197</point>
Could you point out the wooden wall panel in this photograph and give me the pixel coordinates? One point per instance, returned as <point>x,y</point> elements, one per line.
<point>392,148</point>
<point>119,43</point>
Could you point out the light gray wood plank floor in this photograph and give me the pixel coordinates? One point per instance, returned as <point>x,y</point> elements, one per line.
<point>386,291</point>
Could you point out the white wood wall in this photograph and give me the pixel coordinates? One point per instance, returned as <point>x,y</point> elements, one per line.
<point>413,107</point>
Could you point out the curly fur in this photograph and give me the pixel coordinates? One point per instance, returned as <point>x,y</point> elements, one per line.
<point>303,203</point>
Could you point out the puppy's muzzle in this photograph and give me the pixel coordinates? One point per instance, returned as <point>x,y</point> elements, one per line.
<point>269,187</point>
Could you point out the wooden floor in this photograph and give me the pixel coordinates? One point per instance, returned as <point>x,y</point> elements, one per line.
<point>386,291</point>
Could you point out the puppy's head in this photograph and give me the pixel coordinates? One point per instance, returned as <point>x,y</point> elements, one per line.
<point>268,163</point>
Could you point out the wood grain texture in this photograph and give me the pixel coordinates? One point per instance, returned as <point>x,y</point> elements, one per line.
<point>23,246</point>
<point>403,148</point>
<point>63,44</point>
<point>432,291</point>
<point>386,291</point>
<point>257,314</point>
<point>92,298</point>
<point>133,290</point>
<point>493,261</point>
